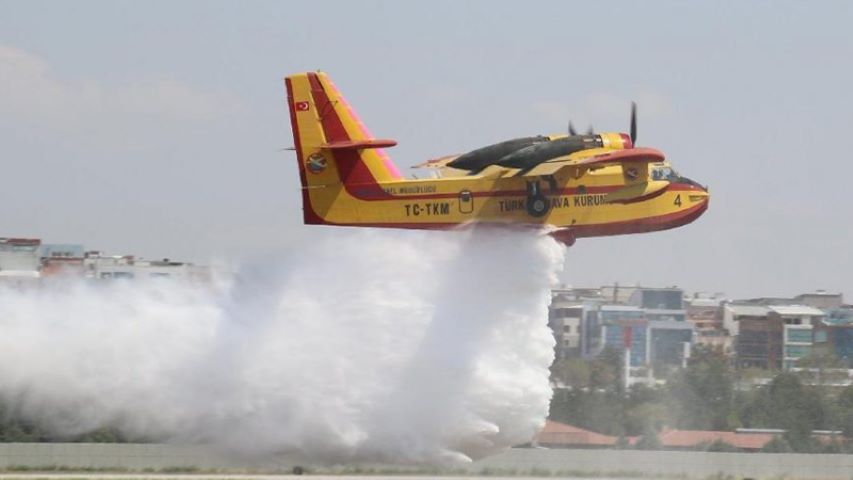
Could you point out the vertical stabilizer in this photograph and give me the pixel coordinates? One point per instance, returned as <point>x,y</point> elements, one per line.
<point>332,145</point>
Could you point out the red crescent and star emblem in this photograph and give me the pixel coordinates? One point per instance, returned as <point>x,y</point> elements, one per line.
<point>301,106</point>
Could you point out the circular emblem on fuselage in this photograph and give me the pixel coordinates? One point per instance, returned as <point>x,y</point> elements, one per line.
<point>632,173</point>
<point>316,163</point>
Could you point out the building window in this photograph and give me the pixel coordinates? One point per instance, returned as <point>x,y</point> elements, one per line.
<point>797,351</point>
<point>567,329</point>
<point>799,335</point>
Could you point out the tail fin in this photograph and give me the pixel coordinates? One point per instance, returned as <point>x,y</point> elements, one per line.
<point>332,145</point>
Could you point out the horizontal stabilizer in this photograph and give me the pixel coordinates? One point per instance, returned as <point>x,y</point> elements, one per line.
<point>359,144</point>
<point>637,192</point>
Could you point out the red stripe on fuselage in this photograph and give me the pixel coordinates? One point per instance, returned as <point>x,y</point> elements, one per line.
<point>350,166</point>
<point>676,187</point>
<point>640,225</point>
<point>309,216</point>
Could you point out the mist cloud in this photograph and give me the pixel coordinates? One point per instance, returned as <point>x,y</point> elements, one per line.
<point>367,346</point>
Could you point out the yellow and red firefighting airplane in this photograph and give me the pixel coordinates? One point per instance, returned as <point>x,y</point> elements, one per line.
<point>575,185</point>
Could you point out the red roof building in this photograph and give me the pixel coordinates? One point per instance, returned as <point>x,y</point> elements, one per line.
<point>695,438</point>
<point>556,434</point>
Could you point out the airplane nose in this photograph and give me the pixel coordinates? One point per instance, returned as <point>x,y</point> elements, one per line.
<point>698,193</point>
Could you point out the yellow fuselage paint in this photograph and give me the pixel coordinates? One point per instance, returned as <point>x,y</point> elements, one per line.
<point>576,202</point>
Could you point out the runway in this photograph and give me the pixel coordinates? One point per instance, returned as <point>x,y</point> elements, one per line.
<point>226,476</point>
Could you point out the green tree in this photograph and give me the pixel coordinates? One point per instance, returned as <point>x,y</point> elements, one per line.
<point>640,418</point>
<point>789,405</point>
<point>794,407</point>
<point>590,409</point>
<point>777,445</point>
<point>572,372</point>
<point>821,368</point>
<point>845,411</point>
<point>606,370</point>
<point>701,396</point>
<point>649,440</point>
<point>720,446</point>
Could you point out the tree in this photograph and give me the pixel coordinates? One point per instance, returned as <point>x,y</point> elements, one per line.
<point>701,396</point>
<point>845,411</point>
<point>606,370</point>
<point>572,372</point>
<point>789,405</point>
<point>777,445</point>
<point>720,446</point>
<point>592,409</point>
<point>793,407</point>
<point>649,440</point>
<point>821,367</point>
<point>641,418</point>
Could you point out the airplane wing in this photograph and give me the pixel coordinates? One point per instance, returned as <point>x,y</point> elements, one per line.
<point>635,167</point>
<point>634,161</point>
<point>440,168</point>
<point>440,162</point>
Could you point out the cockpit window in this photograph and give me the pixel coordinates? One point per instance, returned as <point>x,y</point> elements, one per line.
<point>663,173</point>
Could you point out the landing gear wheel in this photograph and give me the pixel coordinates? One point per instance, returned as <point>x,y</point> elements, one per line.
<point>537,202</point>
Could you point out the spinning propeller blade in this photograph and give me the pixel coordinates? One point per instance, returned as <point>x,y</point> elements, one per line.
<point>634,123</point>
<point>572,130</point>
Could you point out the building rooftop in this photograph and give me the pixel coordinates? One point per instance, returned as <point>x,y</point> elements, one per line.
<point>670,325</point>
<point>560,303</point>
<point>20,241</point>
<point>818,293</point>
<point>693,438</point>
<point>556,433</point>
<point>748,310</point>
<point>797,310</point>
<point>839,316</point>
<point>620,308</point>
<point>703,302</point>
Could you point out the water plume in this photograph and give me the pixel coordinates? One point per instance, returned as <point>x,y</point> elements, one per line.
<point>362,346</point>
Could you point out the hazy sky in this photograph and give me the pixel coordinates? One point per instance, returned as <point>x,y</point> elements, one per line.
<point>155,127</point>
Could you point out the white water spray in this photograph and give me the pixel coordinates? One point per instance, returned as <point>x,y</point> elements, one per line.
<point>366,346</point>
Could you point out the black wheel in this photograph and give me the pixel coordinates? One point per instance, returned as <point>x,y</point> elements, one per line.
<point>537,204</point>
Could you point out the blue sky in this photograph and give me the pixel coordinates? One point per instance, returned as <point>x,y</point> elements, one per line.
<point>154,128</point>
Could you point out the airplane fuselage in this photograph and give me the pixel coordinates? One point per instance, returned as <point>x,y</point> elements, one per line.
<point>579,204</point>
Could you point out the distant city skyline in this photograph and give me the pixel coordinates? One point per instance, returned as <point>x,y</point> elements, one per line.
<point>155,128</point>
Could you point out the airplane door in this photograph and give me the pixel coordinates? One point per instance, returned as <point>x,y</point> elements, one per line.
<point>466,201</point>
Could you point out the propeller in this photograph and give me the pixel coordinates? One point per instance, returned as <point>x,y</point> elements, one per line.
<point>633,135</point>
<point>634,123</point>
<point>573,132</point>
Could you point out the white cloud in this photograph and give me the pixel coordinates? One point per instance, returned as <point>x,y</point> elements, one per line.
<point>31,90</point>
